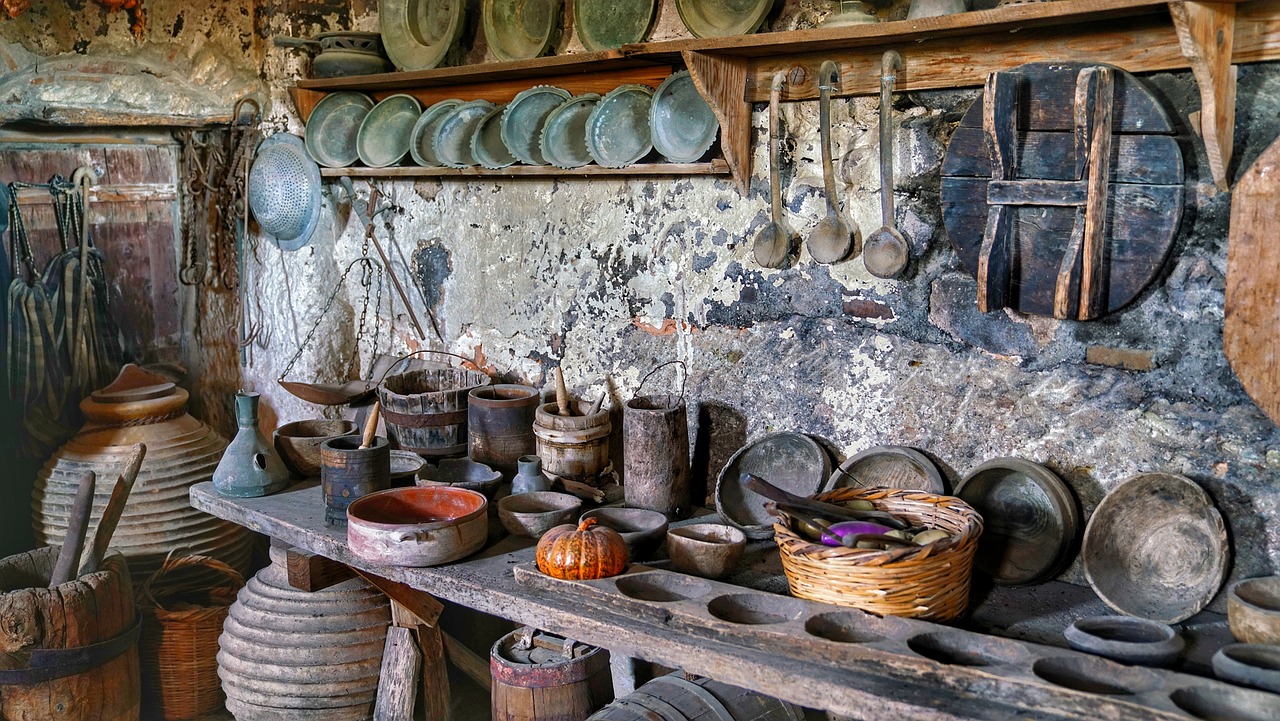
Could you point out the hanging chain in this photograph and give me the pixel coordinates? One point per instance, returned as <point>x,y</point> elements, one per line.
<point>324,310</point>
<point>192,184</point>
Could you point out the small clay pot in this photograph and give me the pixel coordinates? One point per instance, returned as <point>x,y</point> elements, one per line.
<point>710,550</point>
<point>1249,664</point>
<point>642,530</point>
<point>1253,610</point>
<point>1126,639</point>
<point>298,443</point>
<point>534,513</point>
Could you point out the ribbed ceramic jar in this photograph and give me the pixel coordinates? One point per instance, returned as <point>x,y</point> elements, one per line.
<point>290,655</point>
<point>181,451</point>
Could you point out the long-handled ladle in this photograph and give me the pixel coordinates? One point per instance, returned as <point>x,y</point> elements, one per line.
<point>831,240</point>
<point>773,244</point>
<point>886,251</point>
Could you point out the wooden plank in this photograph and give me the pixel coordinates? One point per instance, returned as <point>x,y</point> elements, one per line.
<point>1152,159</point>
<point>603,61</point>
<point>717,166</point>
<point>470,663</point>
<point>136,193</point>
<point>1098,170</point>
<point>503,90</point>
<point>305,101</point>
<point>999,121</point>
<point>420,603</point>
<point>436,694</point>
<point>312,572</point>
<point>1206,34</point>
<point>722,82</point>
<point>397,681</point>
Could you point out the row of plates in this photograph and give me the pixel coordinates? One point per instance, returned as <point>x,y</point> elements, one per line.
<point>418,34</point>
<point>543,125</point>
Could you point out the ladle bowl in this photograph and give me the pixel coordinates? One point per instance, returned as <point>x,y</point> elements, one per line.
<point>885,253</point>
<point>773,245</point>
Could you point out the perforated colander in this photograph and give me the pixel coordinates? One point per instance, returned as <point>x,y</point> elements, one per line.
<point>284,191</point>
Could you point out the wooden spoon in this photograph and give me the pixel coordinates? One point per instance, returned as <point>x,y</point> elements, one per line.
<point>790,502</point>
<point>77,525</point>
<point>773,244</point>
<point>831,240</point>
<point>115,507</point>
<point>371,427</point>
<point>885,254</point>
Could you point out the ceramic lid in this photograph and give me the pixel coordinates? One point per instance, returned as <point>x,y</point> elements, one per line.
<point>385,133</point>
<point>418,33</point>
<point>564,136</point>
<point>520,29</point>
<point>618,127</point>
<point>486,142</point>
<point>452,143</point>
<point>609,24</point>
<point>681,124</point>
<point>334,126</point>
<point>720,18</point>
<point>791,461</point>
<point>523,120</point>
<point>424,132</point>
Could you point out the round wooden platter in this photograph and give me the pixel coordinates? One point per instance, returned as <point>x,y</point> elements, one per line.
<point>1156,548</point>
<point>888,467</point>
<point>1031,520</point>
<point>791,461</point>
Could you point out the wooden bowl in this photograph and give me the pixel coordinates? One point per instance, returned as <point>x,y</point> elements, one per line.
<point>888,467</point>
<point>417,526</point>
<point>530,515</point>
<point>710,550</point>
<point>1249,664</point>
<point>1134,641</point>
<point>1253,610</point>
<point>791,461</point>
<point>1156,548</point>
<point>298,443</point>
<point>642,530</point>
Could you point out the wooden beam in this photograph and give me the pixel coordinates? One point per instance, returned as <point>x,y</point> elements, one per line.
<point>397,681</point>
<point>715,167</point>
<point>435,697</point>
<point>504,90</point>
<point>312,572</point>
<point>470,663</point>
<point>722,81</point>
<point>419,603</point>
<point>1206,35</point>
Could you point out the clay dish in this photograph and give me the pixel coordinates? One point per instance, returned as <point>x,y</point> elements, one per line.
<point>452,141</point>
<point>486,142</point>
<point>1249,664</point>
<point>298,443</point>
<point>1218,703</point>
<point>385,133</point>
<point>1253,610</point>
<point>405,466</point>
<point>333,127</point>
<point>642,530</point>
<point>424,132</point>
<point>520,29</point>
<point>563,142</point>
<point>417,526</point>
<point>464,473</point>
<point>530,515</point>
<point>682,125</point>
<point>618,128</point>
<point>1156,548</point>
<point>417,34</point>
<point>525,117</point>
<point>888,467</point>
<point>710,550</point>
<point>1126,639</point>
<point>721,18</point>
<point>607,24</point>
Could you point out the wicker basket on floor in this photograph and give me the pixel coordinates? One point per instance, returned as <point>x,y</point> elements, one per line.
<point>929,582</point>
<point>182,615</point>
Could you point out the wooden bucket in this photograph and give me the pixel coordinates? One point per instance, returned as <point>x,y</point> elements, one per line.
<point>71,652</point>
<point>572,447</point>
<point>500,424</point>
<point>676,698</point>
<point>655,454</point>
<point>540,677</point>
<point>425,411</point>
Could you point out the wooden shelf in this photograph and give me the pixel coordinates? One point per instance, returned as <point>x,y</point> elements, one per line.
<point>715,167</point>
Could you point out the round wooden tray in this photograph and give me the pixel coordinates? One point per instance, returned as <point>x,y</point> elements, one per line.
<point>791,461</point>
<point>888,467</point>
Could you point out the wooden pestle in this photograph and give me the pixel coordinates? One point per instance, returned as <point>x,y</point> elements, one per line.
<point>562,394</point>
<point>77,525</point>
<point>371,427</point>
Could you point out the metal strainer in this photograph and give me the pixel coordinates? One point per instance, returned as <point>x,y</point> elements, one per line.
<point>284,191</point>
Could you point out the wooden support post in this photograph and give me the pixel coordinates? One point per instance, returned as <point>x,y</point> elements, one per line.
<point>1206,34</point>
<point>312,572</point>
<point>468,662</point>
<point>305,101</point>
<point>397,682</point>
<point>722,81</point>
<point>623,669</point>
<point>420,603</point>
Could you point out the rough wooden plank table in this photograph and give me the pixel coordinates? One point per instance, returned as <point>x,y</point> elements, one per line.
<point>889,689</point>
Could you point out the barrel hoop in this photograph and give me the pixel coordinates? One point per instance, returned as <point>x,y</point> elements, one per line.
<point>630,703</point>
<point>569,439</point>
<point>446,451</point>
<point>656,705</point>
<point>424,420</point>
<point>47,664</point>
<point>707,697</point>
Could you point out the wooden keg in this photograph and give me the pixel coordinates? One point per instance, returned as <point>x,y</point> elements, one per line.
<point>425,411</point>
<point>676,698</point>
<point>573,447</point>
<point>540,677</point>
<point>500,425</point>
<point>655,455</point>
<point>63,647</point>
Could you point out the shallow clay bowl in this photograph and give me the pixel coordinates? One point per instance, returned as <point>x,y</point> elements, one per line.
<point>1126,639</point>
<point>530,515</point>
<point>1253,610</point>
<point>464,473</point>
<point>710,550</point>
<point>417,526</point>
<point>1249,664</point>
<point>405,466</point>
<point>298,443</point>
<point>642,530</point>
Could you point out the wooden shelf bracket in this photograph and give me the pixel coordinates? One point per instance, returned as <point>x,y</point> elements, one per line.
<point>1206,34</point>
<point>722,81</point>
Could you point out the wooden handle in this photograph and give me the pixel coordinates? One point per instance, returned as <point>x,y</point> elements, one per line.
<point>562,394</point>
<point>77,525</point>
<point>371,426</point>
<point>789,501</point>
<point>999,120</point>
<point>115,507</point>
<point>597,405</point>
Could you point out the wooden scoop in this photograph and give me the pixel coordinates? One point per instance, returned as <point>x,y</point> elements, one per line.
<point>562,394</point>
<point>77,525</point>
<point>115,507</point>
<point>371,427</point>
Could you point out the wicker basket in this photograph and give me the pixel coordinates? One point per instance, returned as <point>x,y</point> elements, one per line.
<point>182,615</point>
<point>930,582</point>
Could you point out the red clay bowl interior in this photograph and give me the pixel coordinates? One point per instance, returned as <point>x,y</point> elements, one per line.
<point>418,505</point>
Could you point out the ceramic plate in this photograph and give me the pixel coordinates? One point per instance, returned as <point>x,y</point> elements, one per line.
<point>386,131</point>
<point>681,124</point>
<point>564,136</point>
<point>720,18</point>
<point>334,126</point>
<point>1030,517</point>
<point>520,29</point>
<point>452,143</point>
<point>791,461</point>
<point>424,132</point>
<point>418,33</point>
<point>609,24</point>
<point>618,127</point>
<point>888,467</point>
<point>1156,548</point>
<point>523,120</point>
<point>486,142</point>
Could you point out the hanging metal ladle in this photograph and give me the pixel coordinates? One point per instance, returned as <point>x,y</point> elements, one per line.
<point>831,240</point>
<point>886,251</point>
<point>773,244</point>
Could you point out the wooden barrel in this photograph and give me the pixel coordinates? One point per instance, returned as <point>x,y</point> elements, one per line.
<point>540,677</point>
<point>348,472</point>
<point>573,447</point>
<point>655,454</point>
<point>425,411</point>
<point>676,698</point>
<point>500,424</point>
<point>71,652</point>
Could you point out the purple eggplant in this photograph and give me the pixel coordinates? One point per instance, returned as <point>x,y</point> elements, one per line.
<point>834,535</point>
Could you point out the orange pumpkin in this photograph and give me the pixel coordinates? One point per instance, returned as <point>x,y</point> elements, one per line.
<point>581,553</point>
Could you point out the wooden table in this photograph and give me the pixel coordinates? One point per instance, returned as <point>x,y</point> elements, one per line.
<point>889,688</point>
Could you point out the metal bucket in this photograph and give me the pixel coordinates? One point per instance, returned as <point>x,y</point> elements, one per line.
<point>500,424</point>
<point>425,411</point>
<point>572,447</point>
<point>348,472</point>
<point>655,456</point>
